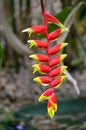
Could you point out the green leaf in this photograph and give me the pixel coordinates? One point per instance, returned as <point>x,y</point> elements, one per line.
<point>1,53</point>
<point>65,107</point>
<point>63,14</point>
<point>71,107</point>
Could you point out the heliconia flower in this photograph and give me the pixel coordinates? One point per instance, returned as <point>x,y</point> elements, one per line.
<point>38,43</point>
<point>55,34</point>
<point>57,71</point>
<point>51,18</point>
<point>46,94</point>
<point>58,81</point>
<point>55,49</point>
<point>37,29</point>
<point>52,105</point>
<point>43,69</point>
<point>43,80</point>
<point>47,62</point>
<point>57,60</point>
<point>39,57</point>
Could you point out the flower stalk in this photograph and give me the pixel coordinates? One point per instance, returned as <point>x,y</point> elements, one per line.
<point>48,66</point>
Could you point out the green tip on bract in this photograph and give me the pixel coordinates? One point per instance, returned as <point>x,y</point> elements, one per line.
<point>64,69</point>
<point>64,45</point>
<point>64,77</point>
<point>41,98</point>
<point>51,113</point>
<point>36,79</point>
<point>35,68</point>
<point>32,43</point>
<point>63,56</point>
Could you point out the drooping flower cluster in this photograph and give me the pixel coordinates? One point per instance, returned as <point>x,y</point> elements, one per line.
<point>48,64</point>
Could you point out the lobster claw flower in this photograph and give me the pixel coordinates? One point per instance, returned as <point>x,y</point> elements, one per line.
<point>55,34</point>
<point>57,60</point>
<point>39,57</point>
<point>37,29</point>
<point>52,105</point>
<point>43,80</point>
<point>57,48</point>
<point>57,71</point>
<point>43,69</point>
<point>58,81</point>
<point>38,44</point>
<point>46,94</point>
<point>51,18</point>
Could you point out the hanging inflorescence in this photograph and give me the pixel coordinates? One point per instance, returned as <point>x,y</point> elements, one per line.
<point>49,64</point>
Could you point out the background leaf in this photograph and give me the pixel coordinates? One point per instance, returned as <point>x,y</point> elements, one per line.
<point>1,53</point>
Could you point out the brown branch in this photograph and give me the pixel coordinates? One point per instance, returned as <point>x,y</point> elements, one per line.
<point>12,39</point>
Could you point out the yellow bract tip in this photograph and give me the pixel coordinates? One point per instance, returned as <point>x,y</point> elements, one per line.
<point>64,77</point>
<point>32,43</point>
<point>29,30</point>
<point>63,45</point>
<point>41,98</point>
<point>35,68</point>
<point>63,56</point>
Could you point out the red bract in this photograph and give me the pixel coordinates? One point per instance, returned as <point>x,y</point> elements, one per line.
<point>38,44</point>
<point>51,18</point>
<point>52,105</point>
<point>39,57</point>
<point>41,68</point>
<point>55,34</point>
<point>46,94</point>
<point>37,29</point>
<point>57,48</point>
<point>43,80</point>
<point>57,71</point>
<point>58,81</point>
<point>53,76</point>
<point>57,60</point>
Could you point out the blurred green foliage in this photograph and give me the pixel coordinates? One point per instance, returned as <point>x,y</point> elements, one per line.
<point>71,107</point>
<point>1,53</point>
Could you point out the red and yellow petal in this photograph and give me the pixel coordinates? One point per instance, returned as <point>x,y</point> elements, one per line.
<point>51,18</point>
<point>57,48</point>
<point>43,69</point>
<point>37,29</point>
<point>57,71</point>
<point>57,60</point>
<point>55,34</point>
<point>52,105</point>
<point>58,81</point>
<point>38,43</point>
<point>43,80</point>
<point>46,94</point>
<point>39,57</point>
